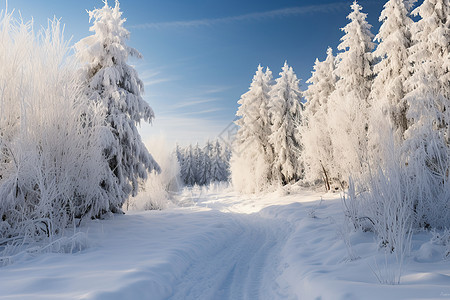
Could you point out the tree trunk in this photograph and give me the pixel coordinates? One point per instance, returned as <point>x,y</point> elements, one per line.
<point>325,175</point>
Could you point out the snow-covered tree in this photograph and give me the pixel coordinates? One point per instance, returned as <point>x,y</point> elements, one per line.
<point>110,81</point>
<point>431,50</point>
<point>218,165</point>
<point>251,159</point>
<point>388,89</point>
<point>426,149</point>
<point>203,166</point>
<point>188,166</point>
<point>285,111</point>
<point>348,105</point>
<point>199,167</point>
<point>317,153</point>
<point>205,170</point>
<point>226,156</point>
<point>409,184</point>
<point>179,154</point>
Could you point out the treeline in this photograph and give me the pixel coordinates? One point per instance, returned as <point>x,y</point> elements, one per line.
<point>375,120</point>
<point>204,165</point>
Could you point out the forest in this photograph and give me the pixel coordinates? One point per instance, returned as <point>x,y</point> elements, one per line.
<point>372,124</point>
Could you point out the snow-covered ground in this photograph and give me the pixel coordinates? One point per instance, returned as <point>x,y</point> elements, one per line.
<point>219,245</point>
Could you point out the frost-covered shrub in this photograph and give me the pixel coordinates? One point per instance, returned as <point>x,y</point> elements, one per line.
<point>157,192</point>
<point>407,182</point>
<point>442,238</point>
<point>381,202</point>
<point>51,163</point>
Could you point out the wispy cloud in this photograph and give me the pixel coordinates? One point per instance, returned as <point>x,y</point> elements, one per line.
<point>257,16</point>
<point>189,103</point>
<point>149,82</point>
<point>208,90</point>
<point>201,112</point>
<point>153,77</point>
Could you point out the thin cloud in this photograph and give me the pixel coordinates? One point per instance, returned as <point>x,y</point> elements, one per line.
<point>156,81</point>
<point>194,102</point>
<point>208,90</point>
<point>201,112</point>
<point>258,16</point>
<point>154,77</point>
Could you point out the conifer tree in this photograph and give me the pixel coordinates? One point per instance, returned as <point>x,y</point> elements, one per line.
<point>199,168</point>
<point>218,166</point>
<point>426,148</point>
<point>188,168</point>
<point>226,156</point>
<point>205,171</point>
<point>388,89</point>
<point>110,81</point>
<point>317,154</point>
<point>285,111</point>
<point>252,154</point>
<point>348,107</point>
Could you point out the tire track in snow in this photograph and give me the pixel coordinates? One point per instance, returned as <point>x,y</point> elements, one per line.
<point>245,269</point>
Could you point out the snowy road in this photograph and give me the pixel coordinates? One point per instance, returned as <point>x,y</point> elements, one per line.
<point>244,269</point>
<point>222,246</point>
<point>204,251</point>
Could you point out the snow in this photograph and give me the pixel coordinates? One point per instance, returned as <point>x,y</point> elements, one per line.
<point>288,244</point>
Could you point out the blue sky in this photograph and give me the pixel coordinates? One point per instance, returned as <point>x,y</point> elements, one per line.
<point>200,55</point>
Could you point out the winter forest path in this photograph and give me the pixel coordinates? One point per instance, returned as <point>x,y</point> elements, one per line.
<point>219,245</point>
<point>244,268</point>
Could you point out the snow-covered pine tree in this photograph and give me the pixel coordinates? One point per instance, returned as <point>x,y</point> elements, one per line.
<point>188,168</point>
<point>225,156</point>
<point>111,81</point>
<point>251,151</point>
<point>199,167</point>
<point>179,154</point>
<point>426,149</point>
<point>285,111</point>
<point>218,166</point>
<point>197,162</point>
<point>392,70</point>
<point>431,49</point>
<point>348,105</point>
<point>317,153</point>
<point>205,175</point>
